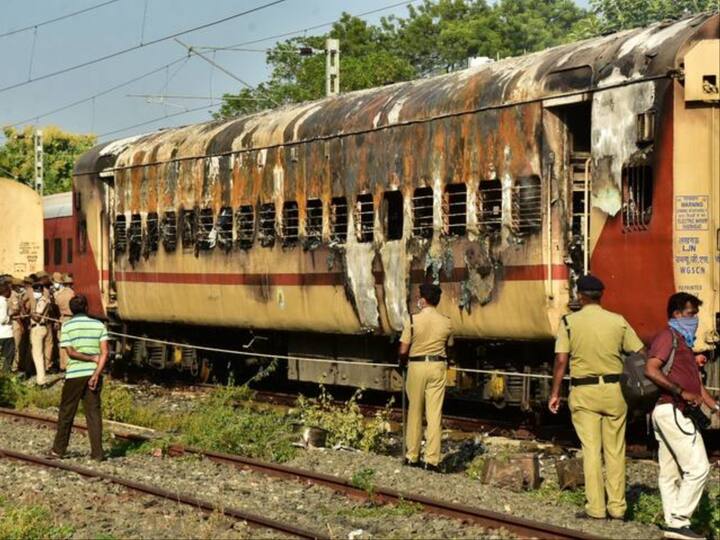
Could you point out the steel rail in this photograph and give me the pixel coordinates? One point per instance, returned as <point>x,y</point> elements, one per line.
<point>252,519</point>
<point>523,528</point>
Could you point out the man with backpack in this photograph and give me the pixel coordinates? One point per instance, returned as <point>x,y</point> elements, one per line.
<point>684,465</point>
<point>592,341</point>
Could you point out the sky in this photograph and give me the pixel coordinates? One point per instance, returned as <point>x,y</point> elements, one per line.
<point>122,24</point>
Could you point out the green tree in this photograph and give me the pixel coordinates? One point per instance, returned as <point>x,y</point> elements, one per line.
<point>614,15</point>
<point>436,37</point>
<point>60,149</point>
<point>439,36</point>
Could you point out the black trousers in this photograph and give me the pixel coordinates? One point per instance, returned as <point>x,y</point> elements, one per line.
<point>7,350</point>
<point>73,391</point>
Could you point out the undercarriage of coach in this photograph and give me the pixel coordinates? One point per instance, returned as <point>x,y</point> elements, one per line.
<point>495,373</point>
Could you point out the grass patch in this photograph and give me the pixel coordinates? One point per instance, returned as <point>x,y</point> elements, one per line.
<point>13,393</point>
<point>30,522</point>
<point>363,479</point>
<point>344,422</point>
<point>220,424</point>
<point>476,467</point>
<point>645,506</point>
<point>551,493</point>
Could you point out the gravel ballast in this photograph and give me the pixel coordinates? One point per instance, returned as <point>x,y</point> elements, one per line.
<point>307,506</point>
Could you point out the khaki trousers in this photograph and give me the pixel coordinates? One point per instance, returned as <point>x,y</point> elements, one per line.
<point>599,416</point>
<point>684,465</point>
<point>49,347</point>
<point>37,345</point>
<point>425,386</point>
<point>18,334</point>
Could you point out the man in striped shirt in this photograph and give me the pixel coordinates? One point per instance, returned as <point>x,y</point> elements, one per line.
<point>85,341</point>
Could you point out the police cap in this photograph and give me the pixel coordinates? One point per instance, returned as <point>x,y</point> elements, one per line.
<point>588,283</point>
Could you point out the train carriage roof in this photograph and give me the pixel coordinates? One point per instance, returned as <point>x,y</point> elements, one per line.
<point>613,60</point>
<point>57,205</point>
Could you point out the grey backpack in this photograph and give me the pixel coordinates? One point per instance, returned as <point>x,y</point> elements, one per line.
<point>639,391</point>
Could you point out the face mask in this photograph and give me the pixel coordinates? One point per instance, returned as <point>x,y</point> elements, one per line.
<point>37,295</point>
<point>686,327</point>
<point>57,286</point>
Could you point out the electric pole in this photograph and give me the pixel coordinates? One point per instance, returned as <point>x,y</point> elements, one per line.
<point>332,67</point>
<point>39,171</point>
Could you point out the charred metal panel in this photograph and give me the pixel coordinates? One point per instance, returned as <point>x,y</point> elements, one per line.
<point>479,125</point>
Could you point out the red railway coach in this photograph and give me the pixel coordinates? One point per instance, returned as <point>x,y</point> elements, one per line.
<point>59,233</point>
<point>309,225</point>
<point>64,242</point>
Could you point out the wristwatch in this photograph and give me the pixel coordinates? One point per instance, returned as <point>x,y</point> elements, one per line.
<point>677,390</point>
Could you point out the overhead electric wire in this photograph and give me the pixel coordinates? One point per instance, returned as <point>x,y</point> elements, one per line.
<point>314,27</point>
<point>56,19</point>
<point>140,46</point>
<point>158,119</point>
<point>99,94</point>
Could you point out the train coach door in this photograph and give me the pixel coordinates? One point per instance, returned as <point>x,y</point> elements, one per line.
<point>567,134</point>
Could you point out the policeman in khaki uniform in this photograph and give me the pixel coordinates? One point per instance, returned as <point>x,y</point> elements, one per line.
<point>63,295</point>
<point>593,340</point>
<point>18,314</point>
<point>425,339</point>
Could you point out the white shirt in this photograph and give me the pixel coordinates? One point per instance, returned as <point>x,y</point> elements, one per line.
<point>6,330</point>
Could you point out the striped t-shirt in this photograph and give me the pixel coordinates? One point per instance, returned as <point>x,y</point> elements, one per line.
<point>83,334</point>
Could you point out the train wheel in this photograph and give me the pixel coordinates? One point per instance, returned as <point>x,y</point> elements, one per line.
<point>204,372</point>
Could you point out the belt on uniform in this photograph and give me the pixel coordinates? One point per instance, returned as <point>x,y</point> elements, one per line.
<point>581,381</point>
<point>428,358</point>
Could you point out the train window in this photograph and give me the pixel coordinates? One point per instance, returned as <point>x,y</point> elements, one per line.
<point>291,223</point>
<point>206,233</point>
<point>169,231</point>
<point>57,251</point>
<point>393,214</point>
<point>245,227</point>
<point>225,228</point>
<point>135,237</point>
<point>338,220</point>
<point>313,223</point>
<point>188,227</point>
<point>527,204</point>
<point>423,212</point>
<point>82,236</point>
<point>46,251</point>
<point>267,224</point>
<point>364,217</point>
<point>637,191</point>
<point>490,204</point>
<point>69,245</point>
<point>455,204</point>
<point>152,234</point>
<point>120,233</point>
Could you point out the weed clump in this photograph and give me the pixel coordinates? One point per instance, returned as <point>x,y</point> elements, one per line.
<point>344,422</point>
<point>28,522</point>
<point>220,424</point>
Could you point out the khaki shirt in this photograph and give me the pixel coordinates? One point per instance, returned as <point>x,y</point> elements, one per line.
<point>596,341</point>
<point>15,305</point>
<point>431,332</point>
<point>62,299</point>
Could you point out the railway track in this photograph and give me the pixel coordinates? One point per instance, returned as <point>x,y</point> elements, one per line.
<point>521,527</point>
<point>252,519</point>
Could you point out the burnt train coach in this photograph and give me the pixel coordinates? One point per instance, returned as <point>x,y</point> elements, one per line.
<point>310,224</point>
